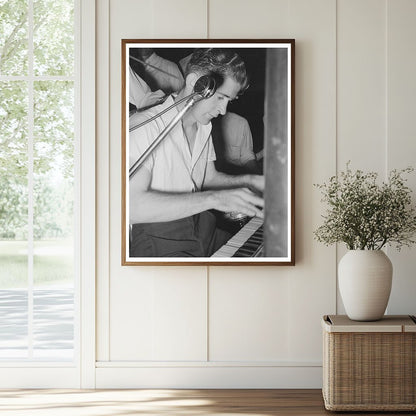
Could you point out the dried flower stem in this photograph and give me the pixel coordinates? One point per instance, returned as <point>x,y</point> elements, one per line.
<point>365,215</point>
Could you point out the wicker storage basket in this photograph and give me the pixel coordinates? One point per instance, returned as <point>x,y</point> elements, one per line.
<point>369,366</point>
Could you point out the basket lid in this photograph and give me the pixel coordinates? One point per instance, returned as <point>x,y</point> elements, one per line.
<point>389,323</point>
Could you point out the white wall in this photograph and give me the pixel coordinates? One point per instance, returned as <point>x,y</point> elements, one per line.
<point>255,326</point>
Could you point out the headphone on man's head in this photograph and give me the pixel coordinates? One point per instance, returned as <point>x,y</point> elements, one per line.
<point>206,85</point>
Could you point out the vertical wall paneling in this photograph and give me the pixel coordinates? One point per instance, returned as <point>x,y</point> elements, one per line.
<point>255,326</point>
<point>179,19</point>
<point>248,314</point>
<point>361,88</point>
<point>401,137</point>
<point>312,24</point>
<point>245,20</point>
<point>179,326</point>
<point>361,84</point>
<point>162,316</point>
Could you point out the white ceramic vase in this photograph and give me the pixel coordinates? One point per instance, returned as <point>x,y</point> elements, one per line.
<point>364,278</point>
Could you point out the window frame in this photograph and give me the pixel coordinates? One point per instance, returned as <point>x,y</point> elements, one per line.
<point>81,371</point>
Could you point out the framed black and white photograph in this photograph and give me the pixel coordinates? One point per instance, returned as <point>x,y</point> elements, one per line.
<point>208,152</point>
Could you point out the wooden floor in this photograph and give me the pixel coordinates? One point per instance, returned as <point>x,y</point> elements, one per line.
<point>165,402</point>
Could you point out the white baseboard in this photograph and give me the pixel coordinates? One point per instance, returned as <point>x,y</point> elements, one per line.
<point>169,375</point>
<point>209,377</point>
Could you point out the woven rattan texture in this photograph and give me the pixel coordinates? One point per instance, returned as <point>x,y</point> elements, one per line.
<point>369,371</point>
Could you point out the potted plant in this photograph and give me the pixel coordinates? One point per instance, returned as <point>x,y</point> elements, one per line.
<point>366,215</point>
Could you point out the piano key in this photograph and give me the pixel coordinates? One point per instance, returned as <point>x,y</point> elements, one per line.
<point>251,234</point>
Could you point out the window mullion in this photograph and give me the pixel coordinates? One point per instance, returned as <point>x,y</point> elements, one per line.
<point>30,178</point>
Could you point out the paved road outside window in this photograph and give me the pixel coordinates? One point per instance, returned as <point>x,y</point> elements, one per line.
<point>53,324</point>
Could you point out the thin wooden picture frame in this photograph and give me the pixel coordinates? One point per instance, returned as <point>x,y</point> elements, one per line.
<point>255,132</point>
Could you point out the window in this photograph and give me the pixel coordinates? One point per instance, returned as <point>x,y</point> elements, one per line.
<point>38,184</point>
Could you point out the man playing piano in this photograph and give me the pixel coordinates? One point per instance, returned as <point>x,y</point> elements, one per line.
<point>173,190</point>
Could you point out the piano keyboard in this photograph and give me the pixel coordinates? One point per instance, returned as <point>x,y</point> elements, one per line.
<point>247,242</point>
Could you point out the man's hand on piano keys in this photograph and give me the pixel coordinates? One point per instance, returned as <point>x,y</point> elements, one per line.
<point>238,200</point>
